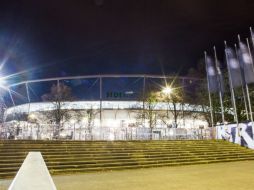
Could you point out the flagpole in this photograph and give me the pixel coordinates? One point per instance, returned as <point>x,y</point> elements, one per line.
<point>252,66</point>
<point>231,86</point>
<point>251,34</point>
<point>243,90</point>
<point>209,93</point>
<point>220,85</point>
<point>247,88</point>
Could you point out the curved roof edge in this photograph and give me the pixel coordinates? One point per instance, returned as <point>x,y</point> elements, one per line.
<point>102,76</point>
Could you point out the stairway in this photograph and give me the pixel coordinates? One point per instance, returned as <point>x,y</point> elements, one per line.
<point>90,156</point>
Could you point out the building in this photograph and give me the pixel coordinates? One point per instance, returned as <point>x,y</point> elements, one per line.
<point>101,102</point>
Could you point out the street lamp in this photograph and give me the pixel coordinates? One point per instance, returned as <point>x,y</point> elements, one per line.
<point>32,116</point>
<point>167,90</point>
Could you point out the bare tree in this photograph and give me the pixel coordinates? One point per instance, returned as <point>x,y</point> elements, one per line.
<point>201,98</point>
<point>174,101</point>
<point>149,113</point>
<point>90,115</point>
<point>59,95</point>
<point>19,117</point>
<point>2,108</point>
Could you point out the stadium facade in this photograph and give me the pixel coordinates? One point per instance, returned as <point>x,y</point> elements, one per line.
<point>101,102</point>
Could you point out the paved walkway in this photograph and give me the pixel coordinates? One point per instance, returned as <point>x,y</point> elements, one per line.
<point>223,176</point>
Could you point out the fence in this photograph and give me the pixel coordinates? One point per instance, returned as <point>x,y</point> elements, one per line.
<point>52,132</point>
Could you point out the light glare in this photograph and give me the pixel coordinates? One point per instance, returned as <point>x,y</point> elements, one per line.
<point>167,90</point>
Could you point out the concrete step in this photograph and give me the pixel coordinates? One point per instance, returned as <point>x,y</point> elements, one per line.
<point>111,160</point>
<point>90,156</point>
<point>99,169</point>
<point>64,159</point>
<point>113,153</point>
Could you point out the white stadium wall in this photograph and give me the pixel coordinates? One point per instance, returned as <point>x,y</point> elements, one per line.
<point>113,113</point>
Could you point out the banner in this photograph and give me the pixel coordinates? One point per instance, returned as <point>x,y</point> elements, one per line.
<point>211,75</point>
<point>241,134</point>
<point>246,63</point>
<point>234,70</point>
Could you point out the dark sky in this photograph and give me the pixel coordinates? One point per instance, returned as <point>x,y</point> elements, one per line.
<point>58,37</point>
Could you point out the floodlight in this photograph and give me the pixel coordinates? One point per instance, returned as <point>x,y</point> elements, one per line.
<point>167,90</point>
<point>2,81</point>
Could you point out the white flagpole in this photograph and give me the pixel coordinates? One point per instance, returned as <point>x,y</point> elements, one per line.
<point>209,94</point>
<point>252,65</point>
<point>243,90</point>
<point>251,35</point>
<point>247,88</point>
<point>231,85</point>
<point>220,85</point>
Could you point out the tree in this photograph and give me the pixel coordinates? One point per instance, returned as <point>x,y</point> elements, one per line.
<point>174,100</point>
<point>201,98</point>
<point>90,115</point>
<point>59,95</point>
<point>200,103</point>
<point>149,113</point>
<point>2,109</point>
<point>18,116</point>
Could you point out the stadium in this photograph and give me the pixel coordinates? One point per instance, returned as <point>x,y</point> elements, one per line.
<point>126,95</point>
<point>102,107</point>
<point>100,123</point>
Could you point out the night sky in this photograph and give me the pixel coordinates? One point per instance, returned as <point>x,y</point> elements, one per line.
<point>61,38</point>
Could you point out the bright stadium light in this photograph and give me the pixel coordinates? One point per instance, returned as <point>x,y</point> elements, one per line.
<point>2,81</point>
<point>167,90</point>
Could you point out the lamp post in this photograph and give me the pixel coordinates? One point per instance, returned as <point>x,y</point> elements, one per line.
<point>74,128</point>
<point>84,123</point>
<point>167,91</point>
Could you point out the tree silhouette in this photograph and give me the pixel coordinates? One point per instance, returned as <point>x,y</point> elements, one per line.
<point>59,95</point>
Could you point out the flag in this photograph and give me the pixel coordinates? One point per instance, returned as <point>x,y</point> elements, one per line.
<point>220,77</point>
<point>234,70</point>
<point>211,75</point>
<point>246,63</point>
